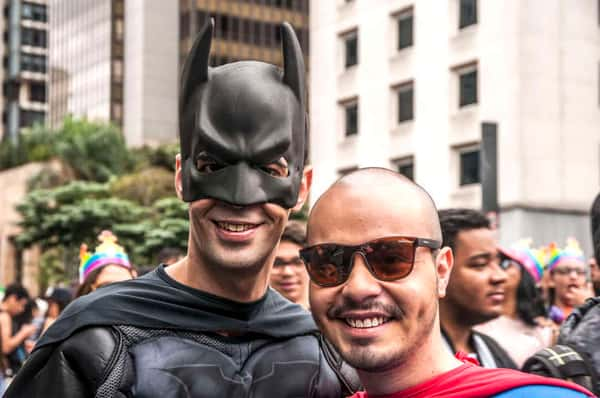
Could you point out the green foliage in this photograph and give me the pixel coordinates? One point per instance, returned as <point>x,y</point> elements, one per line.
<point>93,151</point>
<point>161,156</point>
<point>145,186</point>
<point>60,219</point>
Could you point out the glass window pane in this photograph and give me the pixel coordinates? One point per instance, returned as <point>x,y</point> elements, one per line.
<point>405,104</point>
<point>469,167</point>
<point>468,88</point>
<point>405,31</point>
<point>351,113</point>
<point>468,13</point>
<point>351,45</point>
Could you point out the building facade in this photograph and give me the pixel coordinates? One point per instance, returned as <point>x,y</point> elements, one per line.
<point>85,60</point>
<point>407,84</point>
<point>23,70</point>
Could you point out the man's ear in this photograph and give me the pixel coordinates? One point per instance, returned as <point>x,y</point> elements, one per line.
<point>304,188</point>
<point>178,184</point>
<point>444,261</point>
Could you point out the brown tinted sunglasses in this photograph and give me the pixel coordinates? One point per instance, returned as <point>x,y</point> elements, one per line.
<point>388,259</point>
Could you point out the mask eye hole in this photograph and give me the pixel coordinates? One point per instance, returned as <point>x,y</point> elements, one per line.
<point>206,164</point>
<point>276,169</point>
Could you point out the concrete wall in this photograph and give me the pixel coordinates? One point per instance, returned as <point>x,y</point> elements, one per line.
<point>151,71</point>
<point>17,179</point>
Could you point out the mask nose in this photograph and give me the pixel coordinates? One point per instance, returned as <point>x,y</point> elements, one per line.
<point>246,183</point>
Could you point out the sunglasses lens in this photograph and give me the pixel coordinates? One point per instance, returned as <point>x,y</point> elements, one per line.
<point>391,260</point>
<point>325,265</point>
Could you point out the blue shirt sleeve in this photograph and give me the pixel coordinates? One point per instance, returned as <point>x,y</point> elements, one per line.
<point>540,391</point>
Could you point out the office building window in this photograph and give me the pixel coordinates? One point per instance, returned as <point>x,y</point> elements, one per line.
<point>405,29</point>
<point>406,167</point>
<point>469,167</point>
<point>350,111</point>
<point>34,37</point>
<point>37,92</point>
<point>468,13</point>
<point>29,118</point>
<point>35,12</point>
<point>33,63</point>
<point>467,82</point>
<point>405,102</point>
<point>350,48</point>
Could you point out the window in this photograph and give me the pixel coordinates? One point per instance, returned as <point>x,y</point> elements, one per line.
<point>33,63</point>
<point>350,109</point>
<point>467,86</point>
<point>350,48</point>
<point>405,102</point>
<point>37,92</point>
<point>405,29</point>
<point>406,167</point>
<point>468,13</point>
<point>29,118</point>
<point>34,37</point>
<point>36,12</point>
<point>469,167</point>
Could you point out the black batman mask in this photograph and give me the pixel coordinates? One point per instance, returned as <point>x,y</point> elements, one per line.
<point>242,117</point>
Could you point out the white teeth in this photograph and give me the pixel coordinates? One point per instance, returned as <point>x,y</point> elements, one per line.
<point>235,227</point>
<point>366,323</point>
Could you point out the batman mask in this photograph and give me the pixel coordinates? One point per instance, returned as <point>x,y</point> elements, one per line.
<point>239,119</point>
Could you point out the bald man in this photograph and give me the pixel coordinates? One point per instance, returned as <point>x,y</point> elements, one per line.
<point>377,272</point>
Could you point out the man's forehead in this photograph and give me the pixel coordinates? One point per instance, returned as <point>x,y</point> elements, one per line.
<point>357,216</point>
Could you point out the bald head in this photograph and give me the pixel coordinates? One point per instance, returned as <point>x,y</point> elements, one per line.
<point>371,203</point>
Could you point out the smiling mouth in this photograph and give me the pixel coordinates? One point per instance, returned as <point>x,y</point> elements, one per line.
<point>366,322</point>
<point>235,227</point>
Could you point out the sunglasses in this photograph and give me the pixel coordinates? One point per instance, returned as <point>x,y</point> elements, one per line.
<point>388,259</point>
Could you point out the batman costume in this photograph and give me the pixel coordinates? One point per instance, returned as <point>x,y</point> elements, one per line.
<point>155,337</point>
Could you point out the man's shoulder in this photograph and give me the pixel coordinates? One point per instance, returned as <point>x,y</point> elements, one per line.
<point>541,391</point>
<point>499,381</point>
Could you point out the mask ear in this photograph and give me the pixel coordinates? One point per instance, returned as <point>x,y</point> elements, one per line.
<point>194,72</point>
<point>293,62</point>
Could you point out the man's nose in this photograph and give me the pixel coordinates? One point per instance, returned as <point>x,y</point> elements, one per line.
<point>361,284</point>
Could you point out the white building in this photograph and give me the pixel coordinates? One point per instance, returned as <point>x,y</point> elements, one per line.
<point>406,84</point>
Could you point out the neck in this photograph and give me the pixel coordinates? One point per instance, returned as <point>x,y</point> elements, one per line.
<point>510,305</point>
<point>241,286</point>
<point>431,359</point>
<point>457,330</point>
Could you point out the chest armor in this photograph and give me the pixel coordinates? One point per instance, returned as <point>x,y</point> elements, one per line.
<point>168,364</point>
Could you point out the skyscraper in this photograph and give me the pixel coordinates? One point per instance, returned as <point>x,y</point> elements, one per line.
<point>23,71</point>
<point>85,60</point>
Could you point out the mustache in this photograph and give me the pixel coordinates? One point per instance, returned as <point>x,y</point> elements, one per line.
<point>371,304</point>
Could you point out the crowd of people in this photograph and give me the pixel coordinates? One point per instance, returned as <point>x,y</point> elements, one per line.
<point>379,294</point>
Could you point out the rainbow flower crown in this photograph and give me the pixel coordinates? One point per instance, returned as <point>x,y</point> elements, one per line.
<point>572,251</point>
<point>531,259</point>
<point>107,252</point>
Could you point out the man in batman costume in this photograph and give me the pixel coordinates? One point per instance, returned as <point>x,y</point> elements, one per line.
<point>208,326</point>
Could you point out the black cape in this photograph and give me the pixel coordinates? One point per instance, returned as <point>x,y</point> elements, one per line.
<point>157,301</point>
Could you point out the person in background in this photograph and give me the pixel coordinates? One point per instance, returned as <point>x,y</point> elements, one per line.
<point>108,264</point>
<point>522,329</point>
<point>58,298</point>
<point>288,275</point>
<point>169,255</point>
<point>476,290</point>
<point>13,334</point>
<point>568,285</point>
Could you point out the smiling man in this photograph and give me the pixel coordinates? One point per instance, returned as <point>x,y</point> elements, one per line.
<point>377,270</point>
<point>476,288</point>
<point>289,276</point>
<point>208,325</point>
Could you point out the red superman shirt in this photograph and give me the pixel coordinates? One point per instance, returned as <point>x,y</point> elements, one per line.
<point>472,381</point>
